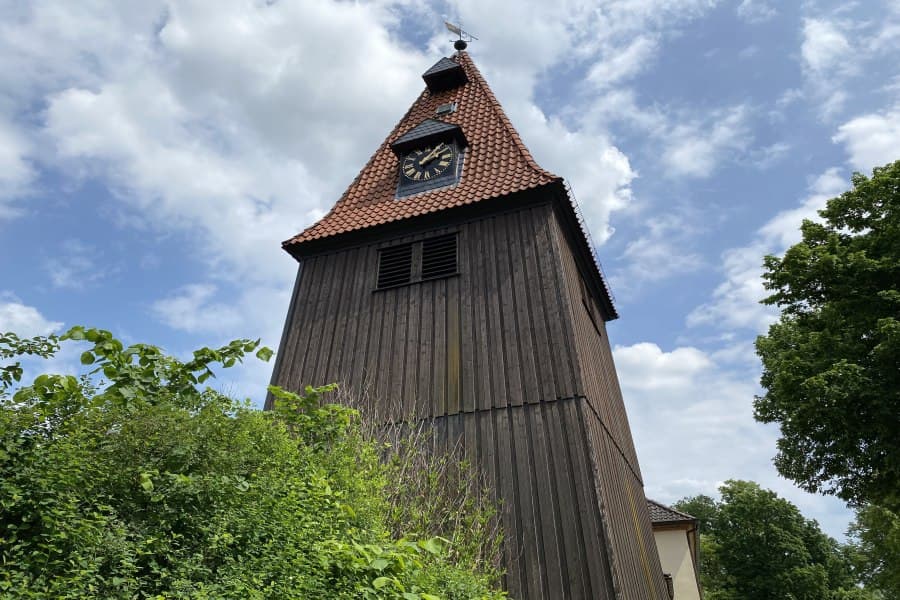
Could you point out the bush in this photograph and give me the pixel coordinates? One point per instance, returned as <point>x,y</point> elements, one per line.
<point>131,482</point>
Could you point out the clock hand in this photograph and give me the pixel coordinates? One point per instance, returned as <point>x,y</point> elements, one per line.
<point>431,155</point>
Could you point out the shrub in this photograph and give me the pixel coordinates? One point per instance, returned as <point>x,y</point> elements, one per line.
<point>132,482</point>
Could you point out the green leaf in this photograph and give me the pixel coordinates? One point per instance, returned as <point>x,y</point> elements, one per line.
<point>379,564</point>
<point>264,353</point>
<point>76,333</point>
<point>87,358</point>
<point>380,582</point>
<point>432,546</point>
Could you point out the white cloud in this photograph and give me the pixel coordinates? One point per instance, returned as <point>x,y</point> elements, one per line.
<point>75,265</point>
<point>767,156</point>
<point>206,308</point>
<point>615,40</point>
<point>16,173</point>
<point>218,316</point>
<point>622,63</point>
<point>693,428</point>
<point>755,11</point>
<point>825,47</point>
<point>696,147</point>
<point>248,138</point>
<point>871,140</point>
<point>190,309</point>
<point>662,251</point>
<point>735,301</point>
<point>693,143</point>
<point>839,50</point>
<point>598,172</point>
<point>24,320</point>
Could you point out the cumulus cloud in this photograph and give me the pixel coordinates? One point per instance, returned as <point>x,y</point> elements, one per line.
<point>825,47</point>
<point>247,137</point>
<point>22,319</point>
<point>686,409</point>
<point>735,301</point>
<point>872,139</point>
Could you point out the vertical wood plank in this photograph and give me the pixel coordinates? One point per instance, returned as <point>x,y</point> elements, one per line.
<point>454,351</point>
<point>509,339</point>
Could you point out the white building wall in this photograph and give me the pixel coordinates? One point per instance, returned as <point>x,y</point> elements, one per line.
<point>675,557</point>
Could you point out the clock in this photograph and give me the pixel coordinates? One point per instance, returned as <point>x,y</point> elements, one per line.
<point>428,164</point>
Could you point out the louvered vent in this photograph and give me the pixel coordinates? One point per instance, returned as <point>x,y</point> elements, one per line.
<point>439,257</point>
<point>395,266</point>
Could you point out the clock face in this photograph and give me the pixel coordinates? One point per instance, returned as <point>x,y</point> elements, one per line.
<point>428,163</point>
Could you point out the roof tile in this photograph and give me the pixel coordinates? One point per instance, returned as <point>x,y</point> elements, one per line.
<point>660,513</point>
<point>496,163</point>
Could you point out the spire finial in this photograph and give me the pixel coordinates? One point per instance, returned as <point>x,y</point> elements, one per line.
<point>464,37</point>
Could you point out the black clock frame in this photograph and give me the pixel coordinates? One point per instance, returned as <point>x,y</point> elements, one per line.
<point>407,186</point>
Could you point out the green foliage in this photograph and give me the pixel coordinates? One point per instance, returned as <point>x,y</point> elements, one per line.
<point>133,482</point>
<point>758,546</point>
<point>832,363</point>
<point>703,508</point>
<point>12,346</point>
<point>876,534</point>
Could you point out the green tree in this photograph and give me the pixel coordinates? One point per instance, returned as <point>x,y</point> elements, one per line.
<point>876,535</point>
<point>703,508</point>
<point>758,546</point>
<point>134,482</point>
<point>831,364</point>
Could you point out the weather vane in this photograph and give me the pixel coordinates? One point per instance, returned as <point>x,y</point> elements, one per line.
<point>464,36</point>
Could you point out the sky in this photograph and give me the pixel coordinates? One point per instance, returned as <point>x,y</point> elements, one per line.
<point>154,154</point>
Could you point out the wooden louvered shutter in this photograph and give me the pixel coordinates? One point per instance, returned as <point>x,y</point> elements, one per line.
<point>439,257</point>
<point>394,266</point>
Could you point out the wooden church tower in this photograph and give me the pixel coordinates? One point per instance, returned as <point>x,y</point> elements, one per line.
<point>454,283</point>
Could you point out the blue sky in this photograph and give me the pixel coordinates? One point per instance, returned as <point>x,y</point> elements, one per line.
<point>153,155</point>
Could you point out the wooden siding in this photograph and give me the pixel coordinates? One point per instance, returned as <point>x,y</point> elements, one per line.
<point>537,459</point>
<point>635,561</point>
<point>495,335</point>
<point>598,381</point>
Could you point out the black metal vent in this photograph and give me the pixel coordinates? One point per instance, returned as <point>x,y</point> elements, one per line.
<point>439,257</point>
<point>395,266</point>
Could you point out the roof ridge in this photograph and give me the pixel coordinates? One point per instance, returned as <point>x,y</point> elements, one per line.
<point>339,204</point>
<point>672,510</point>
<point>479,79</point>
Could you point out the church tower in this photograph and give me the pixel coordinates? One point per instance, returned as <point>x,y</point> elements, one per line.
<point>454,282</point>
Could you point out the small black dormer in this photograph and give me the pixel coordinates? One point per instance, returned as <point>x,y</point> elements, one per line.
<point>444,75</point>
<point>426,133</point>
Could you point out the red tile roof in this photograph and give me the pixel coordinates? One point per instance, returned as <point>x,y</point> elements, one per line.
<point>496,163</point>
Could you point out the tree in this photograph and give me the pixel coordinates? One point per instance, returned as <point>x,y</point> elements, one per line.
<point>758,546</point>
<point>831,364</point>
<point>876,533</point>
<point>134,482</point>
